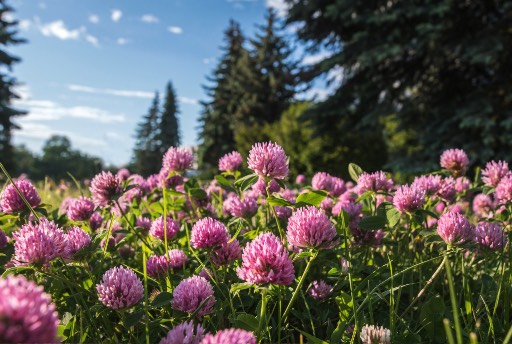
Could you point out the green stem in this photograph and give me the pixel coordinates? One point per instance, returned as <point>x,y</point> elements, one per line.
<point>262,313</point>
<point>299,285</point>
<point>453,299</point>
<point>146,317</point>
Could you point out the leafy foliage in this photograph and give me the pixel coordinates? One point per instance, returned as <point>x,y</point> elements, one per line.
<point>441,68</point>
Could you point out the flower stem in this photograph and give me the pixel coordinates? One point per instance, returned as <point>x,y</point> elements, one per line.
<point>453,299</point>
<point>299,285</point>
<point>262,313</point>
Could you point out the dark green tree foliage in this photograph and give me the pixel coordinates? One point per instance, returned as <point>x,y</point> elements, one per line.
<point>268,76</point>
<point>7,82</point>
<point>147,158</point>
<point>217,123</point>
<point>168,128</point>
<point>59,158</point>
<point>444,68</point>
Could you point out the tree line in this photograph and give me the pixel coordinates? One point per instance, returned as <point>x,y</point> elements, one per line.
<point>413,78</point>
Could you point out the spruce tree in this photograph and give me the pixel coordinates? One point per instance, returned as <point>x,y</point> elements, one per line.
<point>168,129</point>
<point>269,78</point>
<point>147,156</point>
<point>217,118</point>
<point>7,82</point>
<point>440,70</point>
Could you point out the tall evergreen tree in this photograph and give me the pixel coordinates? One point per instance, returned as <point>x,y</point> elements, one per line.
<point>269,78</point>
<point>217,117</point>
<point>439,69</point>
<point>147,157</point>
<point>7,82</point>
<point>168,129</point>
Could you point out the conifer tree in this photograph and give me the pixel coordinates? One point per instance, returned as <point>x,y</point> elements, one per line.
<point>217,117</point>
<point>269,78</point>
<point>147,157</point>
<point>7,82</point>
<point>440,70</point>
<point>168,129</point>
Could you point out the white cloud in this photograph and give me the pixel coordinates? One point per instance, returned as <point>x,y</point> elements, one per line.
<point>113,135</point>
<point>43,132</point>
<point>59,30</point>
<point>42,5</point>
<point>149,18</point>
<point>109,91</point>
<point>122,41</point>
<point>24,24</point>
<point>208,60</point>
<point>175,29</point>
<point>314,59</point>
<point>280,6</point>
<point>46,110</point>
<point>186,100</point>
<point>91,39</point>
<point>116,14</point>
<point>94,18</point>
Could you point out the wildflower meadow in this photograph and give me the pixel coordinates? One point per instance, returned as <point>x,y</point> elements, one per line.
<point>253,256</point>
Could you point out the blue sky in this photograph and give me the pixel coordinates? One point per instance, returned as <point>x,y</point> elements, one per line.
<point>90,68</point>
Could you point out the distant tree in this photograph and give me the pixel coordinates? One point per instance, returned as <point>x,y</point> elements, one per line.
<point>441,69</point>
<point>59,158</point>
<point>168,128</point>
<point>217,124</point>
<point>269,77</point>
<point>25,161</point>
<point>7,82</point>
<point>147,157</point>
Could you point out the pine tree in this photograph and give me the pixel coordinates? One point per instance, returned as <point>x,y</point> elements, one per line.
<point>217,119</point>
<point>7,82</point>
<point>438,69</point>
<point>147,157</point>
<point>269,78</point>
<point>168,131</point>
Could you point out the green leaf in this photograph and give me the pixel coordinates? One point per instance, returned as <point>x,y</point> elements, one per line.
<point>197,193</point>
<point>236,287</point>
<point>372,222</point>
<point>134,318</point>
<point>278,201</point>
<point>223,181</point>
<point>312,339</point>
<point>303,255</point>
<point>313,197</point>
<point>343,223</point>
<point>162,299</point>
<point>392,215</point>
<point>354,171</point>
<point>247,322</point>
<point>246,182</point>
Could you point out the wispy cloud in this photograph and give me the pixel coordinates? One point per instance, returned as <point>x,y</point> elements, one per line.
<point>125,93</point>
<point>122,41</point>
<point>112,92</point>
<point>45,110</point>
<point>94,18</point>
<point>116,14</point>
<point>92,39</point>
<point>175,30</point>
<point>280,6</point>
<point>59,30</point>
<point>186,100</point>
<point>40,131</point>
<point>208,60</point>
<point>24,24</point>
<point>149,18</point>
